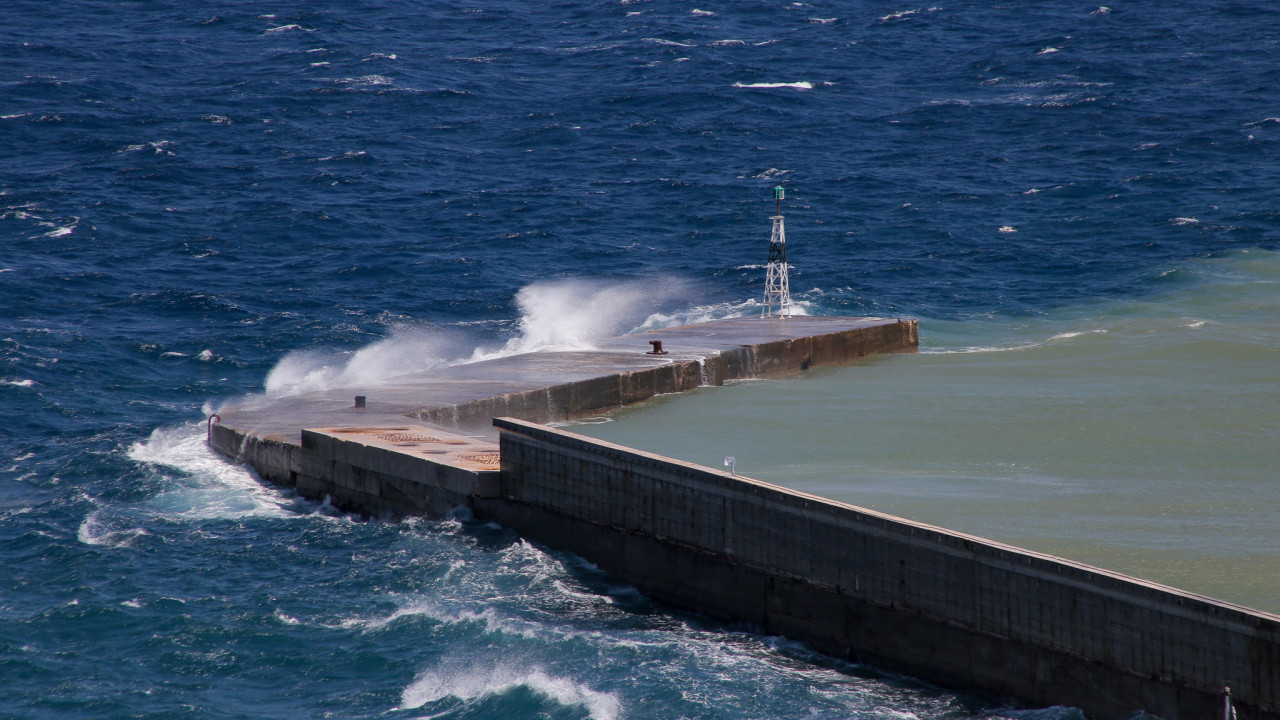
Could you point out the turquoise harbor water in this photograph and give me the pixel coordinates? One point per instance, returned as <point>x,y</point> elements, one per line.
<point>1134,434</point>
<point>198,202</point>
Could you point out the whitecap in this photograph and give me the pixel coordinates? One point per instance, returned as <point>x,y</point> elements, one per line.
<point>205,355</point>
<point>365,80</point>
<point>284,618</point>
<point>25,382</point>
<point>172,354</point>
<point>1069,335</point>
<point>1102,10</point>
<point>1007,229</point>
<point>804,85</point>
<point>978,349</point>
<point>701,13</point>
<point>469,682</point>
<point>1185,221</point>
<point>821,21</point>
<point>1049,51</point>
<point>491,620</point>
<point>899,15</point>
<point>660,41</point>
<point>726,43</point>
<point>93,531</point>
<point>291,26</point>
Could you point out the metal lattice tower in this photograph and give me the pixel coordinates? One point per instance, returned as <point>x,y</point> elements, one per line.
<point>777,289</point>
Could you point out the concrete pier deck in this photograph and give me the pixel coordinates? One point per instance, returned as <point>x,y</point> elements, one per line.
<point>551,386</point>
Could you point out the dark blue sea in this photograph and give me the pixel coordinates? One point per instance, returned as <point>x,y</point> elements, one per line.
<point>204,200</point>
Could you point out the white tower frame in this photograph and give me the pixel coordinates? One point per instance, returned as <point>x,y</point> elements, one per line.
<point>777,287</point>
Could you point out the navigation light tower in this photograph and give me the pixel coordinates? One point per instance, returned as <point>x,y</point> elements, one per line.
<point>777,290</point>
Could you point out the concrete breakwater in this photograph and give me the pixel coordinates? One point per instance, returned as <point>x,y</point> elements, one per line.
<point>265,432</point>
<point>954,608</point>
<point>854,583</point>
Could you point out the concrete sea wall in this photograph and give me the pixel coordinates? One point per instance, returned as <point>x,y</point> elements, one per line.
<point>953,608</point>
<point>757,359</point>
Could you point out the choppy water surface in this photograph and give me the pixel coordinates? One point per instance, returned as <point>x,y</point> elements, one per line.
<point>198,202</point>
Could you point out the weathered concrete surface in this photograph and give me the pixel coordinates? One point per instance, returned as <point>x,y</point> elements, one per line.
<point>557,386</point>
<point>954,608</point>
<point>396,470</point>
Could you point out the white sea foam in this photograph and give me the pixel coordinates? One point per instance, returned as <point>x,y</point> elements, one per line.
<point>492,620</point>
<point>1185,221</point>
<point>701,13</point>
<point>95,531</point>
<point>660,41</point>
<point>158,147</point>
<point>899,15</point>
<point>291,26</point>
<point>220,489</point>
<point>1076,334</point>
<point>25,382</point>
<point>803,85</point>
<point>364,80</point>
<point>468,682</point>
<point>979,349</point>
<point>1049,51</point>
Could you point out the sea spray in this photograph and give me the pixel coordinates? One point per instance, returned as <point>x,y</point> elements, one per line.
<point>560,315</point>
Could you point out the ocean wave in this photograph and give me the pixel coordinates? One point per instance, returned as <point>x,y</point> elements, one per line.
<point>217,488</point>
<point>94,530</point>
<point>471,681</point>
